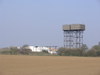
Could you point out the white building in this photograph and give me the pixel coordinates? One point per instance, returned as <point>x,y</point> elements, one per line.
<point>40,49</point>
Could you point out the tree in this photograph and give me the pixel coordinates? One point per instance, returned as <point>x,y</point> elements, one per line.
<point>69,52</point>
<point>96,47</point>
<point>84,47</point>
<point>25,45</point>
<point>25,50</point>
<point>91,52</point>
<point>61,51</point>
<point>14,50</point>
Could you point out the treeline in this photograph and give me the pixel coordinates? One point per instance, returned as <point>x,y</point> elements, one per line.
<point>84,51</point>
<point>22,51</point>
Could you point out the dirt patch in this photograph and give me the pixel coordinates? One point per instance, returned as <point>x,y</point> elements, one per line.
<point>48,65</point>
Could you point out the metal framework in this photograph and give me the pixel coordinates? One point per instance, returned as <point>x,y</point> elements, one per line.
<point>73,38</point>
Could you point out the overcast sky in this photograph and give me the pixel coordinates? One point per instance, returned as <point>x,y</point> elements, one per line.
<point>39,22</point>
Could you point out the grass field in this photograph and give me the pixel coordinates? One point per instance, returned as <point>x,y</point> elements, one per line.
<point>48,65</point>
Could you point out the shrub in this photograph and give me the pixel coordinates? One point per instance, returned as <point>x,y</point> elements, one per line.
<point>25,51</point>
<point>91,53</point>
<point>70,52</point>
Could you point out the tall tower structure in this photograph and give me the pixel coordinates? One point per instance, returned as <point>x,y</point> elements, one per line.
<point>73,35</point>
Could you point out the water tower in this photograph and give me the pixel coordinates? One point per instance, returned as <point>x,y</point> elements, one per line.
<point>73,35</point>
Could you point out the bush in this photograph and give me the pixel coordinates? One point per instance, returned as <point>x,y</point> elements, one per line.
<point>44,51</point>
<point>40,54</point>
<point>70,52</point>
<point>98,53</point>
<point>96,47</point>
<point>94,51</point>
<point>25,51</point>
<point>91,53</point>
<point>14,51</point>
<point>11,51</point>
<point>5,52</point>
